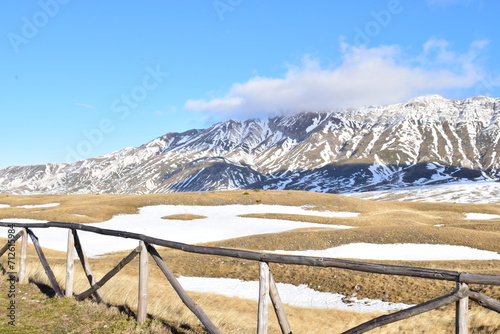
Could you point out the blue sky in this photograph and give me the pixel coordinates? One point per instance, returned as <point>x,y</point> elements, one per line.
<point>81,79</point>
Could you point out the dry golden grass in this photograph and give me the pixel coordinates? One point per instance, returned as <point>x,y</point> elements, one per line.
<point>235,315</point>
<point>379,222</point>
<point>37,313</point>
<point>96,208</point>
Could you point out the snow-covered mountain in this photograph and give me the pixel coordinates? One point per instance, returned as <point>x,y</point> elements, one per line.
<point>427,140</point>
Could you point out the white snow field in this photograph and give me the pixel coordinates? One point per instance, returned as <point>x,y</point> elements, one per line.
<point>222,223</point>
<point>396,252</point>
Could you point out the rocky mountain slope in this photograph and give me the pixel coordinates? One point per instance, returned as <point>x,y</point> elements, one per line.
<point>427,140</point>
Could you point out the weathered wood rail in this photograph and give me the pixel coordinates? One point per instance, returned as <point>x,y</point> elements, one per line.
<point>267,285</point>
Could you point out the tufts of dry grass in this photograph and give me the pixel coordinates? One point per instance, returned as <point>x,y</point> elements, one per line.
<point>235,315</point>
<point>96,208</point>
<point>379,222</point>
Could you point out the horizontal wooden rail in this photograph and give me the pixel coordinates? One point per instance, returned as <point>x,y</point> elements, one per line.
<point>437,274</point>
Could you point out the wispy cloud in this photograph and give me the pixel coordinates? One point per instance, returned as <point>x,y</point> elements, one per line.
<point>84,105</point>
<point>366,76</point>
<point>159,113</point>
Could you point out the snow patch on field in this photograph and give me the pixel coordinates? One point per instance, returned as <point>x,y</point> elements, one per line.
<point>480,216</point>
<point>221,223</point>
<point>31,206</point>
<point>399,252</point>
<point>36,206</point>
<point>300,296</point>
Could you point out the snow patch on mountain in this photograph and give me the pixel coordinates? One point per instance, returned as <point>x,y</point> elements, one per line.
<point>464,192</point>
<point>426,141</point>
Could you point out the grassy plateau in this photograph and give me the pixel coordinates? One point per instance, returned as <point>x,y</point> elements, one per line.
<point>379,222</point>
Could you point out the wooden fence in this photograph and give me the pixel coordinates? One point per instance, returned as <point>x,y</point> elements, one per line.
<point>267,285</point>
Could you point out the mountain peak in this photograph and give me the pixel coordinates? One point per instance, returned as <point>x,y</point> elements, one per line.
<point>428,140</point>
<point>428,99</point>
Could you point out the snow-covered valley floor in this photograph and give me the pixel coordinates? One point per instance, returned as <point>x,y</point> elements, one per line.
<point>224,222</point>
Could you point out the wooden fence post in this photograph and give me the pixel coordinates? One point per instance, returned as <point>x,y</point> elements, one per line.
<point>86,266</point>
<point>70,265</point>
<point>196,309</point>
<point>462,312</point>
<point>278,306</point>
<point>263,311</point>
<point>142,307</point>
<point>45,264</point>
<point>22,256</point>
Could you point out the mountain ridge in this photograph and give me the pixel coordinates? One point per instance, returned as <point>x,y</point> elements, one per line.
<point>426,140</point>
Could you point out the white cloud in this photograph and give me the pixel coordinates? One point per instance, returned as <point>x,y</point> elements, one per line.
<point>365,76</point>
